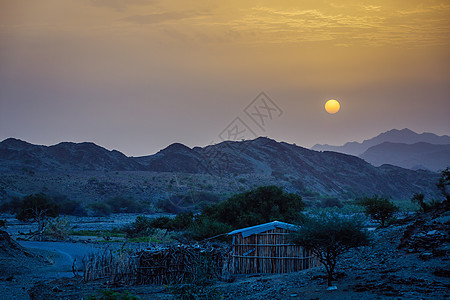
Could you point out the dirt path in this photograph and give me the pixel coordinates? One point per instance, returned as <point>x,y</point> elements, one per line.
<point>64,253</point>
<point>51,260</point>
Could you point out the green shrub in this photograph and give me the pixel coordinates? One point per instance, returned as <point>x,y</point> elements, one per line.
<point>122,204</point>
<point>58,228</point>
<point>204,228</point>
<point>262,205</point>
<point>69,207</point>
<point>112,295</point>
<point>378,208</point>
<point>101,209</point>
<point>161,222</point>
<point>182,221</point>
<point>11,206</point>
<point>418,199</point>
<point>331,202</point>
<point>142,226</point>
<point>443,185</point>
<point>37,208</point>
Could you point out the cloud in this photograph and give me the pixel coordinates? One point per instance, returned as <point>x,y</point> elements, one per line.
<point>119,5</point>
<point>154,18</point>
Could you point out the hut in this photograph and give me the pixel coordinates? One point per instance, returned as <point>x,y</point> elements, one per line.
<point>266,248</point>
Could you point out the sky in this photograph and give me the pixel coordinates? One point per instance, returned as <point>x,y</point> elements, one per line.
<point>136,75</point>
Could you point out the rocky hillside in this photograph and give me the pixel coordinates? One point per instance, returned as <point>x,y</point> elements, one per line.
<point>18,155</point>
<point>87,171</point>
<point>412,156</point>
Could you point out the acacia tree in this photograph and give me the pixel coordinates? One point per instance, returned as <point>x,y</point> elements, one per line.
<point>378,208</point>
<point>328,236</point>
<point>37,208</point>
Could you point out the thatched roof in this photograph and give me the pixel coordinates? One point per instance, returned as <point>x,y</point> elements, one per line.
<point>246,232</point>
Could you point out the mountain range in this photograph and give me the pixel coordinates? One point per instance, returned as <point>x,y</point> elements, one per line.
<point>222,168</point>
<point>404,148</point>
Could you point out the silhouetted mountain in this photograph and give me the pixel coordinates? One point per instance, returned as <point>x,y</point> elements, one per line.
<point>259,161</point>
<point>175,158</point>
<point>327,172</point>
<point>412,156</point>
<point>404,136</point>
<point>17,155</point>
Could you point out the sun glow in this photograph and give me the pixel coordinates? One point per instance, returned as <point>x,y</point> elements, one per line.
<point>332,106</point>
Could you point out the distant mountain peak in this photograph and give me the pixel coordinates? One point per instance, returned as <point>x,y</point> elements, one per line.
<point>175,147</point>
<point>14,142</point>
<point>404,135</point>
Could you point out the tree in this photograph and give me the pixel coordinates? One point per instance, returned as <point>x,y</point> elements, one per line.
<point>261,205</point>
<point>328,236</point>
<point>443,184</point>
<point>37,208</point>
<point>418,198</point>
<point>378,208</point>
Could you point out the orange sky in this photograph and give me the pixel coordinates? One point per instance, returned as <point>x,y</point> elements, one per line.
<point>138,75</point>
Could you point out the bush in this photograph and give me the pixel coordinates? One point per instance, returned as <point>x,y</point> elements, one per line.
<point>161,223</point>
<point>12,206</point>
<point>142,226</point>
<point>101,209</point>
<point>111,295</point>
<point>121,204</point>
<point>418,199</point>
<point>378,208</point>
<point>58,228</point>
<point>262,205</point>
<point>443,185</point>
<point>37,207</point>
<point>69,207</point>
<point>182,221</point>
<point>331,202</point>
<point>329,236</point>
<point>204,228</point>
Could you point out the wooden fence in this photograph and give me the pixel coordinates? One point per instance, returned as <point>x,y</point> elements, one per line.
<point>159,265</point>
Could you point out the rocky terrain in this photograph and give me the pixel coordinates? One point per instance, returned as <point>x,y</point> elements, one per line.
<point>408,260</point>
<point>87,172</point>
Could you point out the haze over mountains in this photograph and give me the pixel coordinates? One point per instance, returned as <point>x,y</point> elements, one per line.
<point>225,168</point>
<point>403,148</point>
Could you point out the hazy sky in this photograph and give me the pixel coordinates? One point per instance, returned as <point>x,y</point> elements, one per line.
<point>139,75</point>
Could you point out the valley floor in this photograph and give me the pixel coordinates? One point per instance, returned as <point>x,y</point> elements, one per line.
<point>380,271</point>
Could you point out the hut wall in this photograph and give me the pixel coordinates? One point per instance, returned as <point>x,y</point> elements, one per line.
<point>269,252</point>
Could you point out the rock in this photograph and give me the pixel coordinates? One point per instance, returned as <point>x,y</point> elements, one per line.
<point>426,255</point>
<point>442,250</point>
<point>441,272</point>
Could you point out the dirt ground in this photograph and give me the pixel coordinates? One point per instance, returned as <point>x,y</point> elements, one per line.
<point>380,271</point>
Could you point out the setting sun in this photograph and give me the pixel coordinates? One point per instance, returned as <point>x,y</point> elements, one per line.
<point>332,106</point>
